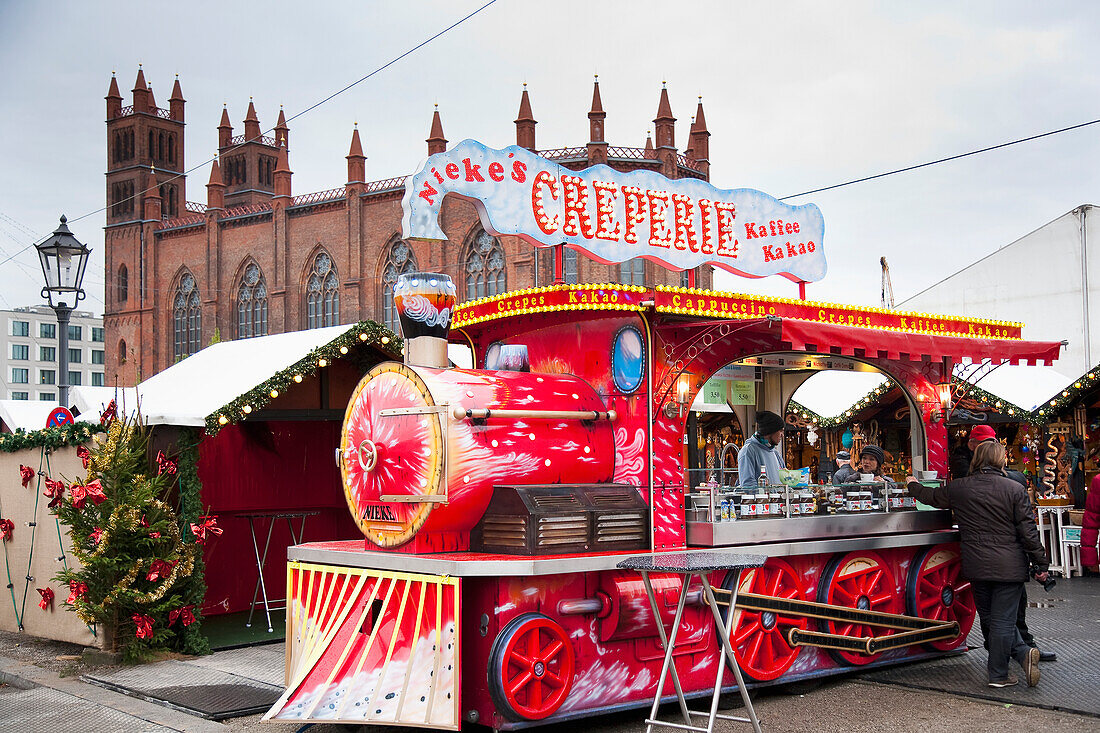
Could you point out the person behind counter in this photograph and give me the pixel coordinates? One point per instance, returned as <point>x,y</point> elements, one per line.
<point>871,459</point>
<point>844,470</point>
<point>760,450</point>
<point>999,544</point>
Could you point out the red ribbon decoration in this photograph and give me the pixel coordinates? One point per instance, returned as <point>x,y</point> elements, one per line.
<point>143,623</point>
<point>165,465</point>
<point>55,490</point>
<point>96,534</point>
<point>159,569</point>
<point>7,528</point>
<point>26,473</point>
<point>154,535</point>
<point>47,598</point>
<point>185,614</point>
<point>77,592</point>
<point>208,525</point>
<point>110,413</point>
<point>81,494</point>
<point>84,456</point>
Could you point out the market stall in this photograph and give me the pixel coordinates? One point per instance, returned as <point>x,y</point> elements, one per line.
<point>495,502</point>
<point>268,412</point>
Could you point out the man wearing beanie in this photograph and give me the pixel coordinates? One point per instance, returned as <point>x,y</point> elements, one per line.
<point>844,470</point>
<point>760,450</point>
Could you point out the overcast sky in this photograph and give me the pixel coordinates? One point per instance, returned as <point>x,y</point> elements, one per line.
<point>798,95</point>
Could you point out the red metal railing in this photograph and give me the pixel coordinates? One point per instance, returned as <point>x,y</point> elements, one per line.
<point>564,153</point>
<point>631,154</point>
<point>247,209</point>
<point>386,185</point>
<point>160,112</point>
<point>182,221</point>
<point>319,197</point>
<point>263,140</point>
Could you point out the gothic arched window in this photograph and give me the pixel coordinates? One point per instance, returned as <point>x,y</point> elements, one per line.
<point>123,284</point>
<point>484,266</point>
<point>186,317</point>
<point>252,303</point>
<point>632,272</point>
<point>122,351</point>
<point>399,260</point>
<point>322,293</point>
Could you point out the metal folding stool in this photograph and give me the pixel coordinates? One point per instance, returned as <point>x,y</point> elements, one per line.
<point>689,565</point>
<point>261,559</point>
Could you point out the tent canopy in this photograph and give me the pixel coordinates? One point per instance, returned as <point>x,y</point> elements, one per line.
<point>190,390</point>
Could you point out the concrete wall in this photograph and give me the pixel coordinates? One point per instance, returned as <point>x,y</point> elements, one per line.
<point>1048,279</point>
<point>18,504</point>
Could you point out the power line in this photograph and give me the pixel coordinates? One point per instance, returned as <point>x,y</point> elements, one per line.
<point>941,160</point>
<point>312,107</point>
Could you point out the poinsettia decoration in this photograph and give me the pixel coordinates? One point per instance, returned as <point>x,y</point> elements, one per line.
<point>77,592</point>
<point>165,465</point>
<point>26,474</point>
<point>84,455</point>
<point>185,615</point>
<point>159,569</point>
<point>7,529</point>
<point>207,525</point>
<point>47,598</point>
<point>55,490</point>
<point>108,414</point>
<point>96,535</point>
<point>81,493</point>
<point>143,625</point>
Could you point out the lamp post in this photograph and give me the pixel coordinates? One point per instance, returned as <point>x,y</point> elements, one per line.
<point>63,259</point>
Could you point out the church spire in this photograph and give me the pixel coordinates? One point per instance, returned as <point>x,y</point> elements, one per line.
<point>436,142</point>
<point>525,122</point>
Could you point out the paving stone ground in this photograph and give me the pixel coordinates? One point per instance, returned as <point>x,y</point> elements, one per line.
<point>1065,621</point>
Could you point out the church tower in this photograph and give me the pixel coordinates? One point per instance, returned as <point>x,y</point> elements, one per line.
<point>248,161</point>
<point>141,136</point>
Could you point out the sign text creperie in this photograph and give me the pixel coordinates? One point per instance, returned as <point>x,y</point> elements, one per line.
<point>615,216</point>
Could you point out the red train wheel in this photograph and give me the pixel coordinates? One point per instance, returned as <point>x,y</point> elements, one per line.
<point>860,579</point>
<point>530,667</point>
<point>759,639</point>
<point>934,590</point>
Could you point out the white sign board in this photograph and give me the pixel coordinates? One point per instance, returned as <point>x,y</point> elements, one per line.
<point>614,216</point>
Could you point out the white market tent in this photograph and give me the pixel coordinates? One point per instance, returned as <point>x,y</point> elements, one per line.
<point>190,390</point>
<point>830,393</point>
<point>1024,386</point>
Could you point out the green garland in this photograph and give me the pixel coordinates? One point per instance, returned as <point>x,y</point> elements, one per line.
<point>1067,396</point>
<point>73,434</point>
<point>1001,405</point>
<point>832,422</point>
<point>364,332</point>
<point>190,510</point>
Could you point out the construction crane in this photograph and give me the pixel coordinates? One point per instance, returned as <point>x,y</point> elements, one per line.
<point>887,286</point>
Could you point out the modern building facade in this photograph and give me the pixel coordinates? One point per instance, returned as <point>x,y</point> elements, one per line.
<point>256,259</point>
<point>30,359</point>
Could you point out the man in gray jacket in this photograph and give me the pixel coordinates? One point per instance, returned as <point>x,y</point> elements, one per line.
<point>760,450</point>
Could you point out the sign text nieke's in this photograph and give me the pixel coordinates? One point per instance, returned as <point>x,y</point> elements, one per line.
<point>615,216</point>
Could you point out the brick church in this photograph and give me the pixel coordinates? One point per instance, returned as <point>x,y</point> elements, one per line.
<point>256,258</point>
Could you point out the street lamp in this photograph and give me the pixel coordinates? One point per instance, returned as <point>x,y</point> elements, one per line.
<point>63,259</point>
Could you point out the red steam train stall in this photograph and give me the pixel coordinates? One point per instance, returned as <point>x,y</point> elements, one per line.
<point>496,501</point>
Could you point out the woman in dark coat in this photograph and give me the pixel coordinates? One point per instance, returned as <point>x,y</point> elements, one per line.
<point>1000,543</point>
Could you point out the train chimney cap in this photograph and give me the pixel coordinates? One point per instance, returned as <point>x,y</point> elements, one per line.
<point>424,303</point>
